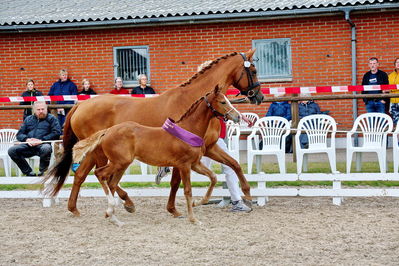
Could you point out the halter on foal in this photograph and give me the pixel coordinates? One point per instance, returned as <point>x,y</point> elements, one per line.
<point>123,143</point>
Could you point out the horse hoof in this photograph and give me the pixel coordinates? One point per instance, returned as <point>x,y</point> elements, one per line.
<point>76,213</point>
<point>195,221</point>
<point>247,202</point>
<point>177,214</point>
<point>130,209</point>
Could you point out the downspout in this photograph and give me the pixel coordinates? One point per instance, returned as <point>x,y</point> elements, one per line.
<point>353,59</point>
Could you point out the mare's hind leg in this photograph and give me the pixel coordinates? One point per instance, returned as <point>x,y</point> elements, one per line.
<point>80,176</point>
<point>174,186</point>
<point>217,154</point>
<point>203,170</point>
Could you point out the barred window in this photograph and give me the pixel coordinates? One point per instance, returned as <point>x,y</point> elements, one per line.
<point>273,59</point>
<point>130,62</point>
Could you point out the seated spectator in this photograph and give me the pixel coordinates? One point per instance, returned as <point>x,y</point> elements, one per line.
<point>308,107</point>
<point>394,79</point>
<point>119,87</point>
<point>86,90</point>
<point>30,92</point>
<point>64,86</point>
<point>374,77</point>
<point>35,129</point>
<point>282,109</point>
<point>143,88</point>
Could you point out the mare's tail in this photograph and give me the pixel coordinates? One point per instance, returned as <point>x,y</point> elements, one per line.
<point>87,145</point>
<point>59,172</point>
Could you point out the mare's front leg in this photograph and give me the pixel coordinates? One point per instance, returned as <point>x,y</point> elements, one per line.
<point>174,186</point>
<point>185,176</point>
<point>216,153</point>
<point>203,170</point>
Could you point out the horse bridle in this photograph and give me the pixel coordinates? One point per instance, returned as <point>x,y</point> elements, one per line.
<point>250,92</point>
<point>215,112</point>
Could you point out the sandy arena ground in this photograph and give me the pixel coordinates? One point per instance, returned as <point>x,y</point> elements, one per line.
<point>301,231</point>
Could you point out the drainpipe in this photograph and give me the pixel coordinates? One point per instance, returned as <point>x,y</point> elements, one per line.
<point>353,59</point>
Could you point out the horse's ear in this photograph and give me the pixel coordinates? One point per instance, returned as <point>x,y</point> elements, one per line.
<point>250,53</point>
<point>217,89</point>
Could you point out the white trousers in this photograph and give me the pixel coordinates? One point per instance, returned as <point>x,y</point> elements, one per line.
<point>231,177</point>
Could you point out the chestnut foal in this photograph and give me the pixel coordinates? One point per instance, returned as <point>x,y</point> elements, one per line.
<point>158,146</point>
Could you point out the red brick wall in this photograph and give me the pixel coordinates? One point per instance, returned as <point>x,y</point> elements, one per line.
<point>89,54</point>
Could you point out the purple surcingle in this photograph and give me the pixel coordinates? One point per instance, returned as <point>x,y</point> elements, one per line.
<point>182,134</point>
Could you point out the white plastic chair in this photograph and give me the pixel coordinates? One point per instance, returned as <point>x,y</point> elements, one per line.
<point>317,128</point>
<point>244,126</point>
<point>233,139</point>
<point>395,149</point>
<point>7,137</point>
<point>273,130</point>
<point>374,128</point>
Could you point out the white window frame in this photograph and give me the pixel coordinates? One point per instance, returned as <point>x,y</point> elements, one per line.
<point>129,82</point>
<point>273,77</point>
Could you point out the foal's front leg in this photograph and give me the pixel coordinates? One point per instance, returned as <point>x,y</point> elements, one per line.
<point>174,186</point>
<point>219,155</point>
<point>185,176</point>
<point>203,170</point>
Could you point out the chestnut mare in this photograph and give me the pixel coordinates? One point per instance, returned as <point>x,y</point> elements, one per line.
<point>124,142</point>
<point>102,112</point>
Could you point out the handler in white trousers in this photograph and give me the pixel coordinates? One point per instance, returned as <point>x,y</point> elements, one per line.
<point>231,177</point>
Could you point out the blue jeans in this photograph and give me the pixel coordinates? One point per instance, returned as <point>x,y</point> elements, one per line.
<point>18,153</point>
<point>375,106</point>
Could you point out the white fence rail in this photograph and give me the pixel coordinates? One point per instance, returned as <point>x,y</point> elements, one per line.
<point>260,192</point>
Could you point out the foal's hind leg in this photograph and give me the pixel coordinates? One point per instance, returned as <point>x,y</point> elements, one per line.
<point>112,174</point>
<point>203,170</point>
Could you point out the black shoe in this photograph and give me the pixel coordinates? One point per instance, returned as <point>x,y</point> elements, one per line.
<point>40,174</point>
<point>31,174</point>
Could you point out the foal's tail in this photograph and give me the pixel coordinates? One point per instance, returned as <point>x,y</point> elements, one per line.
<point>58,173</point>
<point>87,145</point>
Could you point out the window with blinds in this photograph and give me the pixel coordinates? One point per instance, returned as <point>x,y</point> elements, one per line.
<point>130,62</point>
<point>273,59</point>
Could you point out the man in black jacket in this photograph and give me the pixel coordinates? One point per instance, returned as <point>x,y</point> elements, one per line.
<point>35,129</point>
<point>374,77</point>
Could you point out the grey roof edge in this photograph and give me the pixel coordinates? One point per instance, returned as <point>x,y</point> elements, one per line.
<point>194,19</point>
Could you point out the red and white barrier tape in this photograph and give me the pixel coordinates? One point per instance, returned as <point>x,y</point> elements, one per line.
<point>291,90</point>
<point>274,91</point>
<point>64,97</point>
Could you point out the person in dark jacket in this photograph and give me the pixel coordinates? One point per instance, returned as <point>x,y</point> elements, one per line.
<point>86,88</point>
<point>374,77</point>
<point>64,86</point>
<point>306,108</point>
<point>282,109</point>
<point>35,129</point>
<point>30,92</point>
<point>143,88</point>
